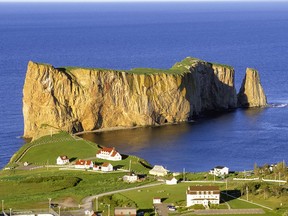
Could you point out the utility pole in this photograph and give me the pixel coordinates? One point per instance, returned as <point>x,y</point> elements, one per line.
<point>183,174</point>
<point>279,177</point>
<point>2,205</point>
<point>59,207</point>
<point>226,186</point>
<point>247,191</point>
<point>96,204</point>
<point>10,210</point>
<point>130,166</point>
<point>108,209</point>
<point>49,204</point>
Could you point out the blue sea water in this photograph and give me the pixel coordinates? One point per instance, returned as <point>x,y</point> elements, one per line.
<point>128,35</point>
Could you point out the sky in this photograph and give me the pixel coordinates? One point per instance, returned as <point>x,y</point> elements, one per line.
<point>141,0</point>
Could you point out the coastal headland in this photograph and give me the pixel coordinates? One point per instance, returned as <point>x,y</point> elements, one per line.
<point>76,99</point>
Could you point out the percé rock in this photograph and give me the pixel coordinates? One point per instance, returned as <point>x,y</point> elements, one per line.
<point>251,93</point>
<point>79,99</point>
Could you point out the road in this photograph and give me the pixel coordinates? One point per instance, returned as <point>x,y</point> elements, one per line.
<point>87,201</point>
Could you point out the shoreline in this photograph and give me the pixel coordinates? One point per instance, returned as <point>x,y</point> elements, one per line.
<point>128,128</point>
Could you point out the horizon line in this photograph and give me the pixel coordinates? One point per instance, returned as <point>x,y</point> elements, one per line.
<point>141,1</point>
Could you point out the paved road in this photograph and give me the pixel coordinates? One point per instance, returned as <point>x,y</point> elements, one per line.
<point>87,201</point>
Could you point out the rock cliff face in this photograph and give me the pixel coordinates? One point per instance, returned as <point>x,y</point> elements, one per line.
<point>78,99</point>
<point>251,93</point>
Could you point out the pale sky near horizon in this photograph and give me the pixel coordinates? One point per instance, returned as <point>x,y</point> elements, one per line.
<point>143,1</point>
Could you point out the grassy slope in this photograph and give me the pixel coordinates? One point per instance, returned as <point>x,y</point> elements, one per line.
<point>35,186</point>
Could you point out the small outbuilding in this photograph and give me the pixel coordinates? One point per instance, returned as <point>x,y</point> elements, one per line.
<point>61,160</point>
<point>131,178</point>
<point>106,167</point>
<point>157,200</point>
<point>158,171</point>
<point>171,181</point>
<point>219,171</point>
<point>125,211</point>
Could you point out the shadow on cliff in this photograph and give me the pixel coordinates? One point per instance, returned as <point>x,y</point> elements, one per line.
<point>207,94</point>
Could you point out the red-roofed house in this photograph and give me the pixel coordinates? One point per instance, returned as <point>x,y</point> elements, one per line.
<point>83,164</point>
<point>61,160</point>
<point>106,167</point>
<point>109,154</point>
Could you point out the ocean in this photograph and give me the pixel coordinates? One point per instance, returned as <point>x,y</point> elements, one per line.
<point>129,35</point>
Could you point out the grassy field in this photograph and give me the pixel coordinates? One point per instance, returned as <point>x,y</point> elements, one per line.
<point>31,189</point>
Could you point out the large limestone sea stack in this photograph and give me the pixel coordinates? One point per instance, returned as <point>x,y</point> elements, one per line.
<point>251,93</point>
<point>79,99</point>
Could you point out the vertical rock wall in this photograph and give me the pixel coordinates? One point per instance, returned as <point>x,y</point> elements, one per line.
<point>77,99</point>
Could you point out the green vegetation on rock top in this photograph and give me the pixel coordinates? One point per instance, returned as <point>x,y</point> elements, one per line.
<point>178,68</point>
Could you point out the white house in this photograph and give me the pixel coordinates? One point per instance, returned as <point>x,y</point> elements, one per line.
<point>96,168</point>
<point>203,195</point>
<point>219,171</point>
<point>171,181</point>
<point>130,178</point>
<point>61,160</point>
<point>106,167</point>
<point>83,164</point>
<point>158,171</point>
<point>109,154</point>
<point>157,200</point>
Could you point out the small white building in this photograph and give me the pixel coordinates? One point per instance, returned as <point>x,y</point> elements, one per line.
<point>158,171</point>
<point>171,181</point>
<point>106,167</point>
<point>219,171</point>
<point>61,160</point>
<point>131,178</point>
<point>109,154</point>
<point>83,164</point>
<point>203,195</point>
<point>96,168</point>
<point>157,200</point>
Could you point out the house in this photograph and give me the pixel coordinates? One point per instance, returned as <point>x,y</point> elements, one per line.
<point>219,171</point>
<point>171,181</point>
<point>109,154</point>
<point>131,177</point>
<point>83,164</point>
<point>90,213</point>
<point>61,160</point>
<point>203,195</point>
<point>127,211</point>
<point>157,200</point>
<point>158,171</point>
<point>96,168</point>
<point>106,167</point>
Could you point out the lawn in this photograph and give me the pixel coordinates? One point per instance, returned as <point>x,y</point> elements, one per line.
<point>31,189</point>
<point>48,148</point>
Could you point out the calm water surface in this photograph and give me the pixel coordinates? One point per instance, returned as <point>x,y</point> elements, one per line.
<point>125,36</point>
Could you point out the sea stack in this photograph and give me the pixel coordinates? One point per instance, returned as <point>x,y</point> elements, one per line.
<point>82,99</point>
<point>251,93</point>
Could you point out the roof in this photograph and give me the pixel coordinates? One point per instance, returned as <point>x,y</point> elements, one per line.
<point>88,162</point>
<point>159,168</point>
<point>106,149</point>
<point>171,178</point>
<point>63,157</point>
<point>106,164</point>
<point>219,167</point>
<point>156,198</point>
<point>80,162</point>
<point>194,189</point>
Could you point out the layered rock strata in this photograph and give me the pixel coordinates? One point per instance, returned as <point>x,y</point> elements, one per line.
<point>79,99</point>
